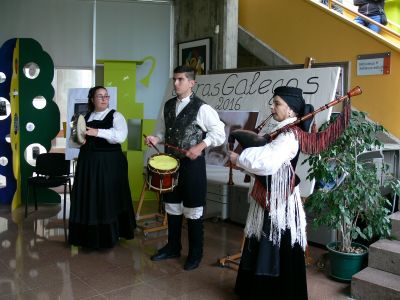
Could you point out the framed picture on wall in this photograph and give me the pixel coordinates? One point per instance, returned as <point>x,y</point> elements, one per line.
<point>196,54</point>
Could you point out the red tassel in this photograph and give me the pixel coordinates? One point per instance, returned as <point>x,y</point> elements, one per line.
<point>316,142</point>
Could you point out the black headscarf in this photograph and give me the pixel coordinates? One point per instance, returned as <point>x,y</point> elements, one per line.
<point>293,97</point>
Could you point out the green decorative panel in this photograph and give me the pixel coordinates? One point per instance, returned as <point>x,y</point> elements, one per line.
<point>148,127</point>
<point>122,74</point>
<point>39,115</point>
<point>135,170</point>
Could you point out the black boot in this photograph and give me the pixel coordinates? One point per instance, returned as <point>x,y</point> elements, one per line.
<point>173,248</point>
<point>195,233</point>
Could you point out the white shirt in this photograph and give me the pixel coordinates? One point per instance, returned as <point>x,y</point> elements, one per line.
<point>207,118</point>
<point>117,133</point>
<point>267,160</point>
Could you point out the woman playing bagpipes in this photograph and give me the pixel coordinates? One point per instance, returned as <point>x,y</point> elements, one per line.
<point>272,264</point>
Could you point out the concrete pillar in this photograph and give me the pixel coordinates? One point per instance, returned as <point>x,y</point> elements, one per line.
<point>230,34</point>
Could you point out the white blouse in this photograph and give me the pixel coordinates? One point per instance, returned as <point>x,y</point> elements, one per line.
<point>116,134</point>
<point>267,160</point>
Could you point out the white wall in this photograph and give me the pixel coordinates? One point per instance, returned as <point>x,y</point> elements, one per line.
<point>124,30</point>
<point>63,28</point>
<point>132,31</point>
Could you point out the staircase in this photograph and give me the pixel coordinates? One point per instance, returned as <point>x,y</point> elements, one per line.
<point>381,279</point>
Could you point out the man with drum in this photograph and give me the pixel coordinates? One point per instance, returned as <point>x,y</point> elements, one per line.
<point>188,125</point>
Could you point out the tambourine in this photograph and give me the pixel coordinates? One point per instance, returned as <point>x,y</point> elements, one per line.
<point>78,131</point>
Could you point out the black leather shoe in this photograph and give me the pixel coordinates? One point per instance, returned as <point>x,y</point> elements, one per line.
<point>191,264</point>
<point>164,255</point>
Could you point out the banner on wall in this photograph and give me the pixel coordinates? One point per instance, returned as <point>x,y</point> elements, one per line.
<point>234,93</point>
<point>253,91</point>
<point>77,103</point>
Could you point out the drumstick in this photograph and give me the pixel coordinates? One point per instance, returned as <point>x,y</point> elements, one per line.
<point>154,146</point>
<point>183,151</point>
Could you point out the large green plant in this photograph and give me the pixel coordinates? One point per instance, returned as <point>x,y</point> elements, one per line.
<point>355,197</point>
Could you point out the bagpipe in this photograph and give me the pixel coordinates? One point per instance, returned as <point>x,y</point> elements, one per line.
<point>309,142</point>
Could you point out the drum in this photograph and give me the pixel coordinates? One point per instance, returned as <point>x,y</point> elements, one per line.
<point>78,130</point>
<point>162,172</point>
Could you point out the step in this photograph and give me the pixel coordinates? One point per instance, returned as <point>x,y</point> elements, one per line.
<point>372,284</point>
<point>395,219</point>
<point>385,255</point>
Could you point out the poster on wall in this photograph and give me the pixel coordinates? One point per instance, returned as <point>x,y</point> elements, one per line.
<point>77,104</point>
<point>253,91</point>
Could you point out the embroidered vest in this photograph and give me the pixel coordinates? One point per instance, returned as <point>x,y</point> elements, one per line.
<point>182,130</point>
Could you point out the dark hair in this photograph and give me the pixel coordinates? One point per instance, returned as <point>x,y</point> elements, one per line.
<point>91,94</point>
<point>189,71</point>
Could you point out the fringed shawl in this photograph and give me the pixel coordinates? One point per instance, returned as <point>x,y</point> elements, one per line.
<point>284,207</point>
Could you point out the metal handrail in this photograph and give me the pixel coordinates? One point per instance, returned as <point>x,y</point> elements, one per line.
<point>369,20</point>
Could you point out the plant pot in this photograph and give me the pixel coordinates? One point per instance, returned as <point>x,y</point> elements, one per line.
<point>345,265</point>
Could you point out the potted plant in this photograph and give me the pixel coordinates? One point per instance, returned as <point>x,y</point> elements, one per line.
<point>349,199</point>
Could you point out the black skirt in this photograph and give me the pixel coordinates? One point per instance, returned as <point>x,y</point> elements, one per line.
<point>101,204</point>
<point>267,271</point>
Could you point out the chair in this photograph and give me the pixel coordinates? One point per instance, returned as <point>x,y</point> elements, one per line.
<point>377,158</point>
<point>52,170</point>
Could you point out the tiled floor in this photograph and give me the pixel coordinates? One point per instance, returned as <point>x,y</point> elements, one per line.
<point>35,263</point>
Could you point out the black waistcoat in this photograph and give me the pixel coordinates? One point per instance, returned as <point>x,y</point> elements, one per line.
<point>182,130</point>
<point>97,143</point>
